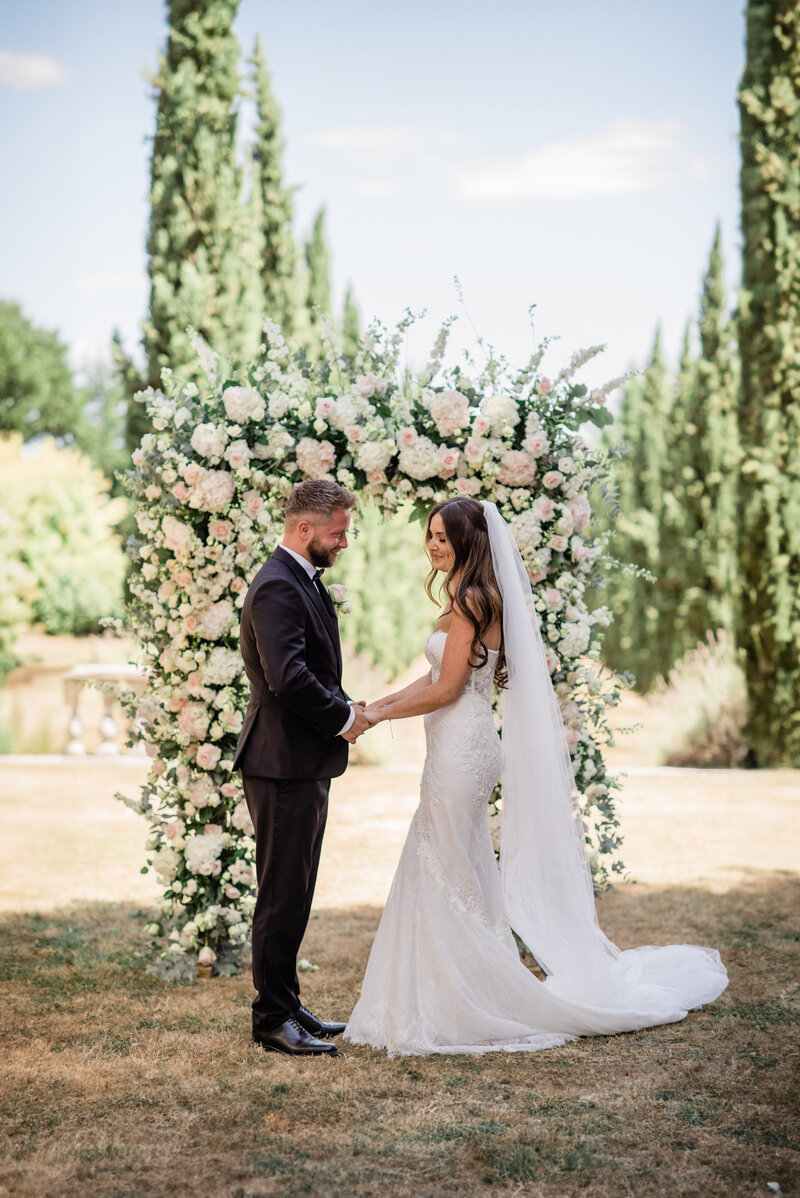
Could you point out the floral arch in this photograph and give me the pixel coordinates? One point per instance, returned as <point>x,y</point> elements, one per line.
<point>208,487</point>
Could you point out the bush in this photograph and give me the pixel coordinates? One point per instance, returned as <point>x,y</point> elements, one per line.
<point>63,562</point>
<point>703,707</point>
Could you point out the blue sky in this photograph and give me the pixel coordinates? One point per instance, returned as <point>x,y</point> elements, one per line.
<point>572,156</point>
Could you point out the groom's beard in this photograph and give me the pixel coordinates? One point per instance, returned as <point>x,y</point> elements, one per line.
<point>319,556</point>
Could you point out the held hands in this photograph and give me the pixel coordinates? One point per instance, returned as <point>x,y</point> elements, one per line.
<point>365,718</point>
<point>360,722</point>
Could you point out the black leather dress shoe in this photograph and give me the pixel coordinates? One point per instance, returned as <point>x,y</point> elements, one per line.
<point>317,1027</point>
<point>293,1040</point>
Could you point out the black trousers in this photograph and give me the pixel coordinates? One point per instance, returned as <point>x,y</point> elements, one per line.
<point>289,819</point>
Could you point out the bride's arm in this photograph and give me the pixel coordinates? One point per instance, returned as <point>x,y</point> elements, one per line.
<point>411,689</point>
<point>433,695</point>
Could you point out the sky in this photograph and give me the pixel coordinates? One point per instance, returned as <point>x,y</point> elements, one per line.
<point>572,156</point>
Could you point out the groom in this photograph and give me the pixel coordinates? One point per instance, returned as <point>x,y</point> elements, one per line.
<point>293,741</point>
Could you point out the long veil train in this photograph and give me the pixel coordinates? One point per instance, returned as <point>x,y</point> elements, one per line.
<point>546,880</point>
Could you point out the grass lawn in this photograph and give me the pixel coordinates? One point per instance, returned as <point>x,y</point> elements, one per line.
<point>116,1084</point>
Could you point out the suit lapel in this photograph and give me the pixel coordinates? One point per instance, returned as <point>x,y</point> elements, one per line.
<point>324,605</point>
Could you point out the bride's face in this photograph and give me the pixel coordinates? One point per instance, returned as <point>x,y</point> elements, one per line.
<point>439,547</point>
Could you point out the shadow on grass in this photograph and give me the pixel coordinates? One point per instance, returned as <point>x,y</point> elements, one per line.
<point>118,1083</point>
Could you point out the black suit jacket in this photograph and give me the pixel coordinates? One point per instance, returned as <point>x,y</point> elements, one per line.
<point>290,645</point>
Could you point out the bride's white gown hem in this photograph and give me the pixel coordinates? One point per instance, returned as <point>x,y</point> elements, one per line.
<point>444,974</point>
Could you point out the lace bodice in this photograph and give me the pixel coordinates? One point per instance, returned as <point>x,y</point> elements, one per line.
<point>479,682</point>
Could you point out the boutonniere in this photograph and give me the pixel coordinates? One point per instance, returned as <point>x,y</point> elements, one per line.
<point>338,594</point>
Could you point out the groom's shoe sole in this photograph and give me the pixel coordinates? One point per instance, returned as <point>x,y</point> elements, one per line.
<point>291,1039</point>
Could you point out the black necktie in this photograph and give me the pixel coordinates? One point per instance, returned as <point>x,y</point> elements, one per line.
<point>317,574</point>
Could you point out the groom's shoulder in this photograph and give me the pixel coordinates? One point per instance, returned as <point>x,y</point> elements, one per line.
<point>277,568</point>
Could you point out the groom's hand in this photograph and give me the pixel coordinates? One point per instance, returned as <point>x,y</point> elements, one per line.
<point>360,724</point>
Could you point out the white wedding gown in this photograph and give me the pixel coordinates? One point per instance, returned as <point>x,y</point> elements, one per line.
<point>444,974</point>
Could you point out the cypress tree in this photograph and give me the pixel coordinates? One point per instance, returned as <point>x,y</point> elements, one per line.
<point>351,325</point>
<point>768,616</point>
<point>635,641</point>
<point>199,273</point>
<point>318,279</point>
<point>716,385</point>
<point>279,253</point>
<point>680,585</point>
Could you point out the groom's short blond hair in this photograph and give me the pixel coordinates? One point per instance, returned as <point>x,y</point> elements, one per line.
<point>319,497</point>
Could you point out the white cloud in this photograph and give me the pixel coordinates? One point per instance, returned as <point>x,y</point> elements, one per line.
<point>626,156</point>
<point>378,142</point>
<point>110,282</point>
<point>27,71</point>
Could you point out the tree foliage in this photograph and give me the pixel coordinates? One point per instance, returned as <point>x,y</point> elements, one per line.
<point>768,618</point>
<point>37,392</point>
<point>202,252</point>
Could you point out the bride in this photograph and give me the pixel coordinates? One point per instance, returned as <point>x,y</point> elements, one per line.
<point>444,974</point>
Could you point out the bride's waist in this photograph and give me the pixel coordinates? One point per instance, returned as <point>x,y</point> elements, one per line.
<point>468,704</point>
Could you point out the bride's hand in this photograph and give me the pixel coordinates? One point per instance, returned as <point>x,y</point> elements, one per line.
<point>374,713</point>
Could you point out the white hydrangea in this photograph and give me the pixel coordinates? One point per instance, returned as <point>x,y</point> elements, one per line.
<point>500,410</point>
<point>166,863</point>
<point>242,404</point>
<point>215,620</point>
<point>222,666</point>
<point>418,460</point>
<point>526,531</point>
<point>450,410</point>
<point>574,638</point>
<point>375,455</point>
<point>209,440</point>
<point>202,852</point>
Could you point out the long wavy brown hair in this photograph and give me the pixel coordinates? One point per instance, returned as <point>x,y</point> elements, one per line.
<point>475,592</point>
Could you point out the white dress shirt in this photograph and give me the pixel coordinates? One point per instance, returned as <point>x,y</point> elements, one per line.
<point>311,570</point>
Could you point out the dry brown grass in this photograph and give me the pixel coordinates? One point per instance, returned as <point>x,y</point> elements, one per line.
<point>116,1084</point>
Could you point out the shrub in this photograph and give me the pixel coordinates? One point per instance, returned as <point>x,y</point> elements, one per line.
<point>703,707</point>
<point>63,563</point>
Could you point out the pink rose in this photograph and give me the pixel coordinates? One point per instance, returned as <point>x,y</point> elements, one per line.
<point>193,473</point>
<point>468,486</point>
<point>558,543</point>
<point>183,578</point>
<point>406,437</point>
<point>517,469</point>
<point>237,585</point>
<point>181,492</point>
<point>208,756</point>
<point>544,507</point>
<point>253,504</point>
<point>222,530</point>
<point>581,511</point>
<point>536,576</point>
<point>191,623</point>
<point>552,479</point>
<point>152,492</point>
<point>536,444</point>
<point>229,789</point>
<point>480,426</point>
<point>355,433</point>
<point>544,385</point>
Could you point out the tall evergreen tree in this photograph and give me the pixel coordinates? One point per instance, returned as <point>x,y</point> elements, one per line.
<point>351,325</point>
<point>637,640</point>
<point>198,258</point>
<point>279,264</point>
<point>318,278</point>
<point>716,384</point>
<point>680,579</point>
<point>768,617</point>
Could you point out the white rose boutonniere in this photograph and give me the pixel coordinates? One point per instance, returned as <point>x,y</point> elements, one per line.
<point>338,594</point>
